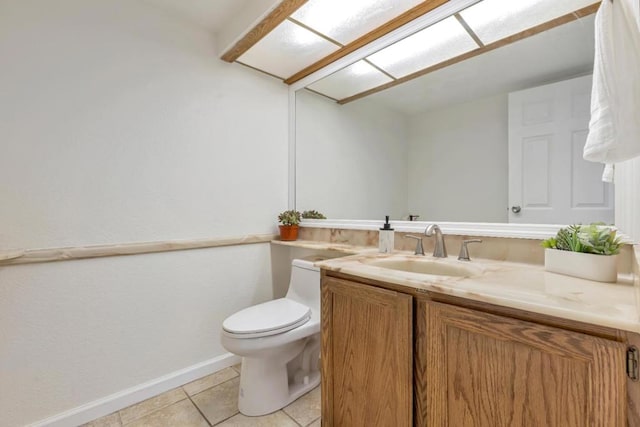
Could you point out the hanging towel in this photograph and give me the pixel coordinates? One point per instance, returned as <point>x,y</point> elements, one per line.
<point>614,128</point>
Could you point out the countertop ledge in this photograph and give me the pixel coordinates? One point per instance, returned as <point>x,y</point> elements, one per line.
<point>7,255</point>
<point>521,286</point>
<point>30,256</point>
<point>344,248</point>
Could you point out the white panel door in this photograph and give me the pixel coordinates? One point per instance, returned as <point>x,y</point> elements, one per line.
<point>549,182</point>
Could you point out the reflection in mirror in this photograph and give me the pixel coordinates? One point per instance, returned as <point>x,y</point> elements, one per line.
<point>351,159</point>
<point>454,145</point>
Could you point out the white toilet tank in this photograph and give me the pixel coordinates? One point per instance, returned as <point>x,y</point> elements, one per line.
<point>304,285</point>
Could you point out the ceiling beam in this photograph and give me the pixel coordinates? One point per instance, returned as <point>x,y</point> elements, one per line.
<point>399,21</point>
<point>585,11</point>
<point>264,27</point>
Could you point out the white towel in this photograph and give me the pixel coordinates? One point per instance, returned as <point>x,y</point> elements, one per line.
<point>614,129</point>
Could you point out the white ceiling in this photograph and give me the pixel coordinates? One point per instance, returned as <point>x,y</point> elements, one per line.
<point>209,14</point>
<point>554,55</point>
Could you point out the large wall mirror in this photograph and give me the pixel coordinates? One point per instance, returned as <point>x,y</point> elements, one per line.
<point>495,138</point>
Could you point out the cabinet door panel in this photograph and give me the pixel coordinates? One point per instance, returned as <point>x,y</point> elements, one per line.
<point>366,355</point>
<point>487,370</point>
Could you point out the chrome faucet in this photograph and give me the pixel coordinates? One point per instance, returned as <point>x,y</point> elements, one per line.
<point>439,251</point>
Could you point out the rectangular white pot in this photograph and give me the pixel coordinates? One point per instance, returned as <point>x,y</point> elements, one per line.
<point>601,268</point>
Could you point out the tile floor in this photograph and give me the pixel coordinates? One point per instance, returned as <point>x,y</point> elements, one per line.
<point>211,401</point>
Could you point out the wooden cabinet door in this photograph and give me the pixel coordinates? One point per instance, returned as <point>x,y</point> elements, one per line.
<point>367,359</point>
<point>492,371</point>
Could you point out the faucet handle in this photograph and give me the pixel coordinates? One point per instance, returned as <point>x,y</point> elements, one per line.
<point>419,248</point>
<point>464,251</point>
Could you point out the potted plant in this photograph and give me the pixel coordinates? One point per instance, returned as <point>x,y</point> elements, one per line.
<point>289,221</point>
<point>312,214</point>
<point>585,251</point>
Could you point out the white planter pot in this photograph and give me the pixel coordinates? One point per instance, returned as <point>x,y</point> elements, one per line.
<point>601,268</point>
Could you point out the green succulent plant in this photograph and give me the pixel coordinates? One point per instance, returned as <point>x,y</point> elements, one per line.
<point>290,217</point>
<point>312,214</point>
<point>591,239</point>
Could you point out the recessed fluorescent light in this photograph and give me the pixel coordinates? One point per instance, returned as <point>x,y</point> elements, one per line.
<point>346,20</point>
<point>493,20</point>
<point>439,42</point>
<point>360,68</point>
<point>287,49</point>
<point>355,78</point>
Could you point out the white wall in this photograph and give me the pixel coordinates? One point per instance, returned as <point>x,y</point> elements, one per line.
<point>627,188</point>
<point>119,124</point>
<point>458,164</point>
<point>351,159</point>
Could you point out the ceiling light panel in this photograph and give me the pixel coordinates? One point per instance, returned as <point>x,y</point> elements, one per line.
<point>437,43</point>
<point>347,20</point>
<point>493,20</point>
<point>287,49</point>
<point>354,79</point>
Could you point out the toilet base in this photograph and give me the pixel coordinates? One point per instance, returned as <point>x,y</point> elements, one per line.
<point>270,384</point>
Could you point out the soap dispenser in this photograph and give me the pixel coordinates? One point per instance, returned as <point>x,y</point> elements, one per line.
<point>385,239</point>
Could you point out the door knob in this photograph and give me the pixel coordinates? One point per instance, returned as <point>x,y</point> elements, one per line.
<point>515,209</point>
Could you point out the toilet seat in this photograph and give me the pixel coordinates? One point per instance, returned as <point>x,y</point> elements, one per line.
<point>269,318</point>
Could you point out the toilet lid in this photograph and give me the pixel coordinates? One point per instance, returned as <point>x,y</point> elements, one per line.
<point>269,318</point>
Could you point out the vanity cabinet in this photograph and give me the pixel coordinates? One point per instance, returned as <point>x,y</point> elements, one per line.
<point>486,370</point>
<point>367,355</point>
<point>472,366</point>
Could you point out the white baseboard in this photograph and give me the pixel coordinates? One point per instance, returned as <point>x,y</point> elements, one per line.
<point>122,399</point>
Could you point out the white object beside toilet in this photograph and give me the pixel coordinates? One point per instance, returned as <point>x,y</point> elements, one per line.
<point>279,342</point>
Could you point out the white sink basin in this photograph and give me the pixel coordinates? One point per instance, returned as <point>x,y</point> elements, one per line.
<point>428,266</point>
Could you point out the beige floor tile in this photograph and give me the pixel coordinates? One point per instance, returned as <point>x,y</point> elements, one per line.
<point>181,414</point>
<point>220,402</point>
<point>111,420</point>
<point>238,368</point>
<point>151,405</point>
<point>316,423</point>
<point>209,381</point>
<point>306,408</point>
<point>277,419</point>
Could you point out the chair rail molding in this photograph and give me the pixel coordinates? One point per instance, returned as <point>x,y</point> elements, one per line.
<point>30,256</point>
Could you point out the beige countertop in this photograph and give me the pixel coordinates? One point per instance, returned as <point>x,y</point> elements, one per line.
<point>521,286</point>
<point>344,248</point>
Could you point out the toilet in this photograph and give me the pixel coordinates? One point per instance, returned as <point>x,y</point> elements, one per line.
<point>279,342</point>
